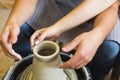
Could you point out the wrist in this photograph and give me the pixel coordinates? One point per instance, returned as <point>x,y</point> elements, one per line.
<point>99,34</point>
<point>57,28</point>
<point>11,23</point>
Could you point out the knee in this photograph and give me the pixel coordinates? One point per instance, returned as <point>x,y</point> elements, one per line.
<point>110,49</point>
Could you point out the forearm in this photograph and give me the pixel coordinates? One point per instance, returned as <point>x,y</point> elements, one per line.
<point>83,12</point>
<point>22,10</point>
<point>105,21</point>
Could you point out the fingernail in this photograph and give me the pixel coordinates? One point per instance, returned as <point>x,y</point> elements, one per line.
<point>17,55</point>
<point>64,49</point>
<point>13,51</point>
<point>37,42</point>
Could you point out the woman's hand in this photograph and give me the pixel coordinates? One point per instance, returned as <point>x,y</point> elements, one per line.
<point>87,45</point>
<point>42,34</point>
<point>7,38</point>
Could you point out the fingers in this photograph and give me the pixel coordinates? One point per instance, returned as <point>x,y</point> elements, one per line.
<point>43,34</point>
<point>10,52</point>
<point>37,37</point>
<point>73,44</point>
<point>79,59</point>
<point>73,63</point>
<point>16,55</point>
<point>32,39</point>
<point>7,38</point>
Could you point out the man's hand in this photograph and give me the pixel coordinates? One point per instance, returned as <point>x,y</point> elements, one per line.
<point>87,45</point>
<point>7,38</point>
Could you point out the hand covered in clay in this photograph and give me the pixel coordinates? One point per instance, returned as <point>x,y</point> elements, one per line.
<point>7,38</point>
<point>42,34</point>
<point>87,45</point>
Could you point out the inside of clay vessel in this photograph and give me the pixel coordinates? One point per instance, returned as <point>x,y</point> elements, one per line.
<point>46,52</point>
<point>46,49</point>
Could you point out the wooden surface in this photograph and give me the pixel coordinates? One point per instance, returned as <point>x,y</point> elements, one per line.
<point>6,3</point>
<point>5,62</point>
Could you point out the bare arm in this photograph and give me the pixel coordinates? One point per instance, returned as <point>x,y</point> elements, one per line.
<point>22,10</point>
<point>86,10</point>
<point>105,22</point>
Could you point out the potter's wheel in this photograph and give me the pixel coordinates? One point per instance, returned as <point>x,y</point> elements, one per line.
<point>27,74</point>
<point>22,70</point>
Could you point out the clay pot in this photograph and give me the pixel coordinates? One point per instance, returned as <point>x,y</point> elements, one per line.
<point>46,62</point>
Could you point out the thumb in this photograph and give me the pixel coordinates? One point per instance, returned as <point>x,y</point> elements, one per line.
<point>42,37</point>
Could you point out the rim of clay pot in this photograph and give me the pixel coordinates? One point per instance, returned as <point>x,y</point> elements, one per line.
<point>48,57</point>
